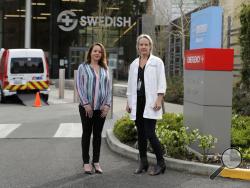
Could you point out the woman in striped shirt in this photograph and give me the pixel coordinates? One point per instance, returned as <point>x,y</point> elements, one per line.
<point>93,86</point>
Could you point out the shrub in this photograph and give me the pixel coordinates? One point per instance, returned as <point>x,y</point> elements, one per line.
<point>125,130</point>
<point>175,90</point>
<point>206,142</point>
<point>241,131</point>
<point>170,121</point>
<point>241,100</point>
<point>245,153</point>
<point>174,136</point>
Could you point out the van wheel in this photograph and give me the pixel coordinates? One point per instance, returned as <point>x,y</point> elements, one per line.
<point>2,98</point>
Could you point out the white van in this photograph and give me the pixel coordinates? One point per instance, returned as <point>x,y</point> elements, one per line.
<point>23,71</point>
<point>1,53</point>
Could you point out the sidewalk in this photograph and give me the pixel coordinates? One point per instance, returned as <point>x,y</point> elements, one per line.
<point>119,97</point>
<point>119,105</point>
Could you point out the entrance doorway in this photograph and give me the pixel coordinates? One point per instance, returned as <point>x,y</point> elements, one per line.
<point>77,55</point>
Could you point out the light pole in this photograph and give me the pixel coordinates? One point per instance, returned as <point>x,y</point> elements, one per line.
<point>28,19</point>
<point>139,17</point>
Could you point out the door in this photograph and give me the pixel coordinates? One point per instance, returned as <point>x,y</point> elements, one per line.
<point>77,55</point>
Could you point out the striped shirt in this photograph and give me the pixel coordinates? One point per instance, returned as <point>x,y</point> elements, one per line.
<point>93,88</point>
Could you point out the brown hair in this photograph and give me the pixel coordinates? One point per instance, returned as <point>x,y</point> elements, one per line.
<point>103,60</point>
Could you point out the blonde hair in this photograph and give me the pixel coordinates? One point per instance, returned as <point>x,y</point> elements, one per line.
<point>146,37</point>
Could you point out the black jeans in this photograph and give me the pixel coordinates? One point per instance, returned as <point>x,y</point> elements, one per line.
<point>146,131</point>
<point>89,125</point>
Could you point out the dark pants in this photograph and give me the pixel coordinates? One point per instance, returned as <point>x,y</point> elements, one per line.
<point>146,131</point>
<point>89,125</point>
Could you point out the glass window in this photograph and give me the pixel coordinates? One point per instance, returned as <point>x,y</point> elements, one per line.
<point>116,27</point>
<point>26,65</point>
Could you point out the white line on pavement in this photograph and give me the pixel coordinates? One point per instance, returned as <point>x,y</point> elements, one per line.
<point>57,101</point>
<point>6,129</point>
<point>69,130</point>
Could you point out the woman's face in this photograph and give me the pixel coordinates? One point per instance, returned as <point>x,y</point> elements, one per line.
<point>96,53</point>
<point>144,47</point>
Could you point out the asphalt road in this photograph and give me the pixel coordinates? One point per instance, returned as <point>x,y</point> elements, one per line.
<point>31,155</point>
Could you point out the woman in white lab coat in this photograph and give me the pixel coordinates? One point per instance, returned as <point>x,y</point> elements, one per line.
<point>146,88</point>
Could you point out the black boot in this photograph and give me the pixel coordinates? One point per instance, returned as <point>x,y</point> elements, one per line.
<point>143,166</point>
<point>158,169</point>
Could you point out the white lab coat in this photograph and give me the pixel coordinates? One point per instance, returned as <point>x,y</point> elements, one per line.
<point>155,82</point>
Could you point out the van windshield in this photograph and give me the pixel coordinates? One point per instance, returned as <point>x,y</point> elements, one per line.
<point>26,65</point>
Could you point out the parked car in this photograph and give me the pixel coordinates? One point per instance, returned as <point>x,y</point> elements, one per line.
<point>23,71</point>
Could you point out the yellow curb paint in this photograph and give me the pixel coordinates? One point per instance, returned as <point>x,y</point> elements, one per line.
<point>237,173</point>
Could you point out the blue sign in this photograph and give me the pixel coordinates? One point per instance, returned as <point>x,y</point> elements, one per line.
<point>206,28</point>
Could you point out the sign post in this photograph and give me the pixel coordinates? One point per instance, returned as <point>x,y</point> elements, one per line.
<point>208,93</point>
<point>208,79</point>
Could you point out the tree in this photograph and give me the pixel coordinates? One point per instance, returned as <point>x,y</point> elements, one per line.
<point>245,45</point>
<point>125,8</point>
<point>183,25</point>
<point>178,18</point>
<point>241,94</point>
<point>102,32</point>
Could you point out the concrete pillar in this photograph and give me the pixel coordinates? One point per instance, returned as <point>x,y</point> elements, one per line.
<point>28,19</point>
<point>149,7</point>
<point>208,94</point>
<point>110,113</point>
<point>76,96</point>
<point>148,25</point>
<point>61,83</point>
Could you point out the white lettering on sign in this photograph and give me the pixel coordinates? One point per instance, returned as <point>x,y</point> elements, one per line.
<point>68,21</point>
<point>199,40</point>
<point>194,59</point>
<point>105,21</point>
<point>201,28</point>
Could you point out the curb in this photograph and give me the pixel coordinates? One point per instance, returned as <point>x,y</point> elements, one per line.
<point>176,164</point>
<point>237,173</point>
<point>193,167</point>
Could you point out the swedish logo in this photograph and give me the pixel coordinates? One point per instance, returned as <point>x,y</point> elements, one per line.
<point>67,20</point>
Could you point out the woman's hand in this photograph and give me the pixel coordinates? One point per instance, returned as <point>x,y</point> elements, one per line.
<point>157,105</point>
<point>104,111</point>
<point>88,110</point>
<point>128,109</point>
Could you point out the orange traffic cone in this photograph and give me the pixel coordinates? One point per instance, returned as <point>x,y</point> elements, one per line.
<point>37,102</point>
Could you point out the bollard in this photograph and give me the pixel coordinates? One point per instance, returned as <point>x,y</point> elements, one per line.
<point>61,83</point>
<point>110,113</point>
<point>76,96</point>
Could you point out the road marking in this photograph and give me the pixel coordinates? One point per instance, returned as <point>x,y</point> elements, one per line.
<point>69,130</point>
<point>6,129</point>
<point>237,173</point>
<point>57,101</point>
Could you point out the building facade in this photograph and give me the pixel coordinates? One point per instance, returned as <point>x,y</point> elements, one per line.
<point>231,30</point>
<point>230,39</point>
<point>65,29</point>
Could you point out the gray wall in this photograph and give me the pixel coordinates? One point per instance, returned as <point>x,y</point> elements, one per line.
<point>208,105</point>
